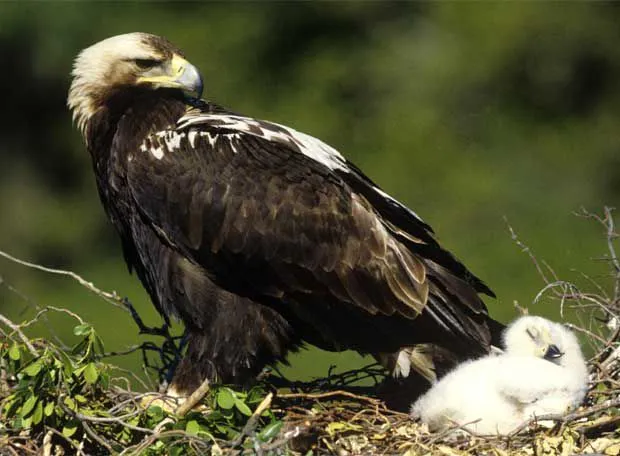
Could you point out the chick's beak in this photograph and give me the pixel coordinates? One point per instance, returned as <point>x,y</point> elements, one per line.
<point>553,352</point>
<point>177,73</point>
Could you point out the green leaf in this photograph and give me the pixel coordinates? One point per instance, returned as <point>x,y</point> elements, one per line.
<point>155,412</point>
<point>37,415</point>
<point>80,348</point>
<point>176,450</point>
<point>17,423</point>
<point>192,427</point>
<point>81,330</point>
<point>49,409</point>
<point>104,380</point>
<point>340,426</point>
<point>270,431</point>
<point>242,407</point>
<point>99,344</point>
<point>255,396</point>
<point>9,406</point>
<point>28,405</point>
<point>14,352</point>
<point>91,373</point>
<point>26,422</point>
<point>81,399</point>
<point>69,429</point>
<point>66,362</point>
<point>33,369</point>
<point>225,398</point>
<point>70,403</point>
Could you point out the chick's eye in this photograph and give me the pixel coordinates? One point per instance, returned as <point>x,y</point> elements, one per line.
<point>145,64</point>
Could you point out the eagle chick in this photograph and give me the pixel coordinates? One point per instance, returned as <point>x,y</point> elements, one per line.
<point>541,372</point>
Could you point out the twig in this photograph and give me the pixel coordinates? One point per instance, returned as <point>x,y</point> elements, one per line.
<point>33,303</point>
<point>611,235</point>
<point>455,427</point>
<point>97,419</point>
<point>253,420</point>
<point>47,444</point>
<point>327,395</point>
<point>100,440</point>
<point>193,399</point>
<point>170,344</point>
<point>66,439</point>
<point>568,417</point>
<point>289,435</point>
<point>148,440</point>
<point>526,249</point>
<point>104,419</point>
<point>21,335</point>
<point>47,309</point>
<point>113,298</point>
<point>585,331</point>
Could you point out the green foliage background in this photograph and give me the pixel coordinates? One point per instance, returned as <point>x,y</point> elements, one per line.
<point>467,112</point>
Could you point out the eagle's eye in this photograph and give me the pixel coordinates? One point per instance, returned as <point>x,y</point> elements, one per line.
<point>145,64</point>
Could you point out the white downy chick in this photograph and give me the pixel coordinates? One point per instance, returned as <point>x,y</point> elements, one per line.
<point>542,371</point>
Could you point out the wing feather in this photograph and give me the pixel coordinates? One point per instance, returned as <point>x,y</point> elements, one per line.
<point>308,230</point>
<point>269,211</point>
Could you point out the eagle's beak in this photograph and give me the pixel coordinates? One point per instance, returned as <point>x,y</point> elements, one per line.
<point>177,73</point>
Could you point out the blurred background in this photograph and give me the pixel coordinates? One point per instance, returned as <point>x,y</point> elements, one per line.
<point>470,113</point>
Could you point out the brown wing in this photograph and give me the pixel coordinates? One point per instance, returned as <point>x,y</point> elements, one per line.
<point>265,220</point>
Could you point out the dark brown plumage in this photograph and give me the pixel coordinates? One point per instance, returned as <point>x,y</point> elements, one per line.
<point>257,236</point>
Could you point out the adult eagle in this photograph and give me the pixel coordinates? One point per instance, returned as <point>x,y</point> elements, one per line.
<point>256,236</point>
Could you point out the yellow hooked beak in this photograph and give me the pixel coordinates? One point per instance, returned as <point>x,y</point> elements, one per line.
<point>176,73</point>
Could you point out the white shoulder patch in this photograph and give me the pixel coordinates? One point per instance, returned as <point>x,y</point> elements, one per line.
<point>306,144</point>
<point>162,142</point>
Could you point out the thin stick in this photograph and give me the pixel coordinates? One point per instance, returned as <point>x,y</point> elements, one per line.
<point>21,335</point>
<point>328,394</point>
<point>455,427</point>
<point>526,249</point>
<point>566,418</point>
<point>112,297</point>
<point>100,440</point>
<point>82,418</point>
<point>193,399</point>
<point>46,310</point>
<point>289,435</point>
<point>66,439</point>
<point>253,420</point>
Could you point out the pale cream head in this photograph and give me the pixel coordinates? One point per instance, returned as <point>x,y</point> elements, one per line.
<point>125,61</point>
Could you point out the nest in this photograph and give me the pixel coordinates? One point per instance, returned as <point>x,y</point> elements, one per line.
<point>67,400</point>
<point>343,423</point>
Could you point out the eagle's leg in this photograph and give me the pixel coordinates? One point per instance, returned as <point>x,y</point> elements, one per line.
<point>194,368</point>
<point>230,345</point>
<point>186,376</point>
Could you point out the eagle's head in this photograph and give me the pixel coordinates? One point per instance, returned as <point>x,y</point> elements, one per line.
<point>123,62</point>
